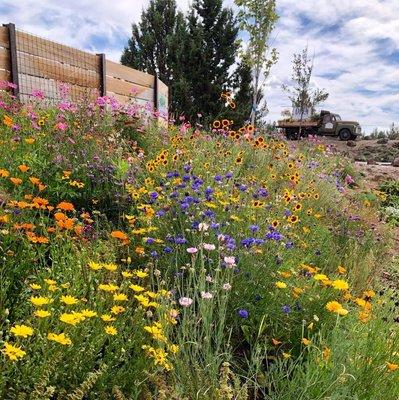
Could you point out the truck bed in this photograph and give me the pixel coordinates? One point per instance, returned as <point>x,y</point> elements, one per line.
<point>297,124</point>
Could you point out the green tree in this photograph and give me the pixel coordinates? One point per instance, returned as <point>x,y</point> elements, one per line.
<point>157,47</point>
<point>258,19</point>
<point>304,98</point>
<point>210,55</point>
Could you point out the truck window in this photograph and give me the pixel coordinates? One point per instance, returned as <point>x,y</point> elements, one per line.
<point>327,119</point>
<point>337,117</point>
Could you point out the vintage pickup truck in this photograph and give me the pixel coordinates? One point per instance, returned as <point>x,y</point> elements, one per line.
<point>327,124</point>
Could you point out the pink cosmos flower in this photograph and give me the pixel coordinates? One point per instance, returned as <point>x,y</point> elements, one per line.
<point>206,295</point>
<point>185,301</point>
<point>61,126</point>
<point>192,250</point>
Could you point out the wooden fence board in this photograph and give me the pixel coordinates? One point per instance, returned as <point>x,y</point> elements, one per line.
<point>5,62</point>
<point>125,88</point>
<point>125,99</point>
<point>5,75</point>
<point>44,68</point>
<point>50,87</point>
<point>47,49</point>
<point>4,41</point>
<point>129,74</point>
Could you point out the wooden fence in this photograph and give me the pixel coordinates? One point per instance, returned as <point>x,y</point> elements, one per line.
<point>33,63</point>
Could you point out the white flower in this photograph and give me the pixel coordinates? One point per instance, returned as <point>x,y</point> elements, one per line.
<point>226,286</point>
<point>206,295</point>
<point>209,246</point>
<point>208,278</point>
<point>230,261</point>
<point>202,227</point>
<point>185,301</point>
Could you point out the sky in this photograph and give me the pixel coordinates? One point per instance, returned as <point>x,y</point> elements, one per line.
<point>355,45</point>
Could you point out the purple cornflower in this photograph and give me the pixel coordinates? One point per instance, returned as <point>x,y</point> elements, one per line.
<point>286,309</point>
<point>243,313</point>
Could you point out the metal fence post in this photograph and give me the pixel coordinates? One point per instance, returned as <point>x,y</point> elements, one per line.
<point>155,92</point>
<point>13,57</point>
<point>103,74</point>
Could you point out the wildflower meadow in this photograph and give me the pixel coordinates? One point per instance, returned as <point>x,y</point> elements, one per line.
<point>147,260</point>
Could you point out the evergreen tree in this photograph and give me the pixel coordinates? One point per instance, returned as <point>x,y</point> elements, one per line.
<point>157,47</point>
<point>211,50</point>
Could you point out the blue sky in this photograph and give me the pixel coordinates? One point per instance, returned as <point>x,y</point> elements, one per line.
<point>355,45</point>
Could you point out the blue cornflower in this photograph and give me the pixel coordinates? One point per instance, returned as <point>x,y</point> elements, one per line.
<point>243,313</point>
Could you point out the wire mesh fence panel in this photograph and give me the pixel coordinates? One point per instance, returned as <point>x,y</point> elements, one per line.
<point>54,69</point>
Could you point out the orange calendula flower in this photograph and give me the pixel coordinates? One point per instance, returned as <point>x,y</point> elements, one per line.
<point>16,181</point>
<point>335,307</point>
<point>65,206</point>
<point>392,366</point>
<point>4,173</point>
<point>119,235</point>
<point>23,168</point>
<point>8,121</point>
<point>306,342</point>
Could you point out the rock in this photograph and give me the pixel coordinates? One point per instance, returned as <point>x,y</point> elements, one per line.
<point>382,141</point>
<point>351,143</point>
<point>395,162</point>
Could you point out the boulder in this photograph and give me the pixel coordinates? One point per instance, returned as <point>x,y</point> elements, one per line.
<point>382,141</point>
<point>351,143</point>
<point>395,162</point>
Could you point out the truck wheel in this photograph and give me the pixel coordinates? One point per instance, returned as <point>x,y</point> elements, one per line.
<point>292,134</point>
<point>345,134</point>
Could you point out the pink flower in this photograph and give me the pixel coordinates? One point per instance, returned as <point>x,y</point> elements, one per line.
<point>226,286</point>
<point>206,295</point>
<point>230,261</point>
<point>192,250</point>
<point>61,126</point>
<point>185,301</point>
<point>38,94</point>
<point>349,180</point>
<point>209,247</point>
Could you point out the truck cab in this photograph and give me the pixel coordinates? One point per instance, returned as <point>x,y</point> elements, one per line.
<point>332,125</point>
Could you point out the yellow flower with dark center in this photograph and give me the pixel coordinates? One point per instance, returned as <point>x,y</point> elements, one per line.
<point>13,352</point>
<point>61,338</point>
<point>117,310</point>
<point>22,330</point>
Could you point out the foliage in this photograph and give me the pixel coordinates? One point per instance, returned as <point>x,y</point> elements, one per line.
<point>149,262</point>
